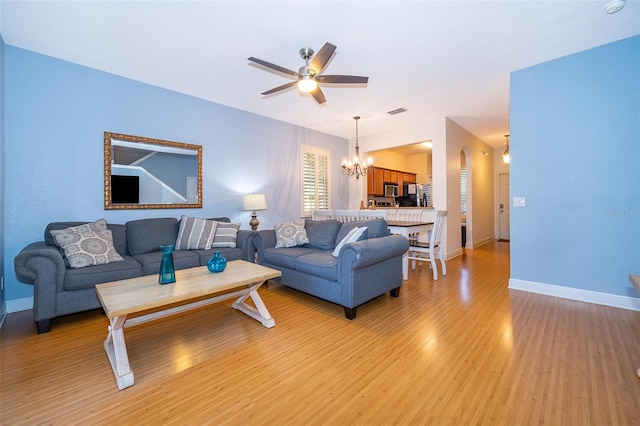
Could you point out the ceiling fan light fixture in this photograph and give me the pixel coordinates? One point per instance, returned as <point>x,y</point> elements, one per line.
<point>309,77</point>
<point>614,6</point>
<point>307,84</point>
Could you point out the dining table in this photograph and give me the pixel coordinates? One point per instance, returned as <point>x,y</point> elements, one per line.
<point>407,229</point>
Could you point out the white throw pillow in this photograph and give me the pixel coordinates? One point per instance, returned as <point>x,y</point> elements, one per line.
<point>351,237</point>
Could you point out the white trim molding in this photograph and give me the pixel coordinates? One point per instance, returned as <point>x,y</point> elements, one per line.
<point>483,241</point>
<point>623,302</point>
<point>18,305</point>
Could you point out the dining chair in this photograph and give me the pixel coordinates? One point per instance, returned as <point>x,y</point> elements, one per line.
<point>324,214</point>
<point>392,214</point>
<point>410,215</point>
<point>347,215</point>
<point>373,214</point>
<point>419,251</point>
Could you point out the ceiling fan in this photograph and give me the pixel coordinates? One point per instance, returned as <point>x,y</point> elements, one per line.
<point>308,76</point>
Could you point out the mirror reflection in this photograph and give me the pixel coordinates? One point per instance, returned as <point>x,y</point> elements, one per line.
<point>146,173</point>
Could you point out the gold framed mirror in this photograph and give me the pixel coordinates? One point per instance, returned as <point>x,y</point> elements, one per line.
<point>146,173</point>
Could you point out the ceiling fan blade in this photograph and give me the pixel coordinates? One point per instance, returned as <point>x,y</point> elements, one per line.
<point>277,89</point>
<point>353,79</point>
<point>318,95</point>
<point>273,66</point>
<point>319,61</point>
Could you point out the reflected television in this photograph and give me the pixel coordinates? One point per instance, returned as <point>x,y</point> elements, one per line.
<point>125,189</point>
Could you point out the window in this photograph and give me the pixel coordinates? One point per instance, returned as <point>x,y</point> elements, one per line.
<point>463,190</point>
<point>315,182</point>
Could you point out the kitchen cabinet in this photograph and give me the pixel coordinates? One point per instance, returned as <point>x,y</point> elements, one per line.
<point>409,177</point>
<point>375,182</point>
<point>378,176</point>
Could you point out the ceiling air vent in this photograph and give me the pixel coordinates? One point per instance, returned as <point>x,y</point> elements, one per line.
<point>397,111</point>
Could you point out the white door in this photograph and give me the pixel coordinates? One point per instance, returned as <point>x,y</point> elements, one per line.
<point>503,206</point>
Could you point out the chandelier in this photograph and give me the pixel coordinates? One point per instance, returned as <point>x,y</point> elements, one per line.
<point>356,167</point>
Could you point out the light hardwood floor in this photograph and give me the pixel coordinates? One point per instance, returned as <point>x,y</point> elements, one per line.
<point>460,350</point>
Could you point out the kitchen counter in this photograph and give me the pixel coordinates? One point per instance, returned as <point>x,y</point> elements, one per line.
<point>403,208</point>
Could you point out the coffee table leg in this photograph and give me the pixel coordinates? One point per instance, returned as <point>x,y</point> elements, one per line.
<point>260,312</point>
<point>117,352</point>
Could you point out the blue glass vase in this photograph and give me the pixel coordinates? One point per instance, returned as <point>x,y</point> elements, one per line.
<point>167,271</point>
<point>217,263</point>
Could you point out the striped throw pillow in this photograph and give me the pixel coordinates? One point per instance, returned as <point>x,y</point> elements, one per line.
<point>226,235</point>
<point>195,233</point>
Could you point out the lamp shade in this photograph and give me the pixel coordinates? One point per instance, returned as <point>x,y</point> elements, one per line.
<point>254,202</point>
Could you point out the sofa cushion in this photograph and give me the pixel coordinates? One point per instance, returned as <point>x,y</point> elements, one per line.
<point>86,245</point>
<point>285,256</point>
<point>229,253</point>
<point>376,228</point>
<point>182,259</point>
<point>75,279</point>
<point>147,235</point>
<point>320,264</point>
<point>195,233</point>
<point>291,234</point>
<point>226,235</point>
<point>354,235</point>
<point>322,233</point>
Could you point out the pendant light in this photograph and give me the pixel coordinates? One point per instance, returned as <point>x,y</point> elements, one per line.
<point>505,155</point>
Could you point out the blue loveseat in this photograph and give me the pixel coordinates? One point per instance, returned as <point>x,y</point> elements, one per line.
<point>363,270</point>
<point>61,290</point>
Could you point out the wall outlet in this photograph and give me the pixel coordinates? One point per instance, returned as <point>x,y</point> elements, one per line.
<point>519,202</point>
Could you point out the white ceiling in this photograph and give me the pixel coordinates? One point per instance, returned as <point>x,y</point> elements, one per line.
<point>434,58</point>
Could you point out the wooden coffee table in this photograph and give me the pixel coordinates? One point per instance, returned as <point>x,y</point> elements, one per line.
<point>193,288</point>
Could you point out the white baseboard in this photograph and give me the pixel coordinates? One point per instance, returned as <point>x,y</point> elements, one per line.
<point>18,305</point>
<point>481,242</point>
<point>623,302</point>
<point>452,254</point>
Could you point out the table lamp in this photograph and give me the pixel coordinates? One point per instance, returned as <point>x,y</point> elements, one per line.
<point>254,202</point>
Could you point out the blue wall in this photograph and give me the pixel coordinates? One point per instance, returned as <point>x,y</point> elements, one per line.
<point>55,116</point>
<point>575,156</point>
<point>2,168</point>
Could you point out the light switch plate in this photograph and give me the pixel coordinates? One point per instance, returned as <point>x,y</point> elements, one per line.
<point>518,201</point>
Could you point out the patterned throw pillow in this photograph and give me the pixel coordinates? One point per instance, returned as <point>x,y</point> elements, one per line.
<point>226,235</point>
<point>291,234</point>
<point>351,237</point>
<point>195,233</point>
<point>86,245</point>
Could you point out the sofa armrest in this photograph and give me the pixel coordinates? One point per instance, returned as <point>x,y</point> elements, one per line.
<point>367,252</point>
<point>263,240</point>
<point>43,267</point>
<point>32,259</point>
<point>244,241</point>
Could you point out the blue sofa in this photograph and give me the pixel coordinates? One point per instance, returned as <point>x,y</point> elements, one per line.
<point>60,290</point>
<point>363,270</point>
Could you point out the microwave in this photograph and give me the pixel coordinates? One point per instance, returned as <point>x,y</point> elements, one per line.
<point>390,190</point>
